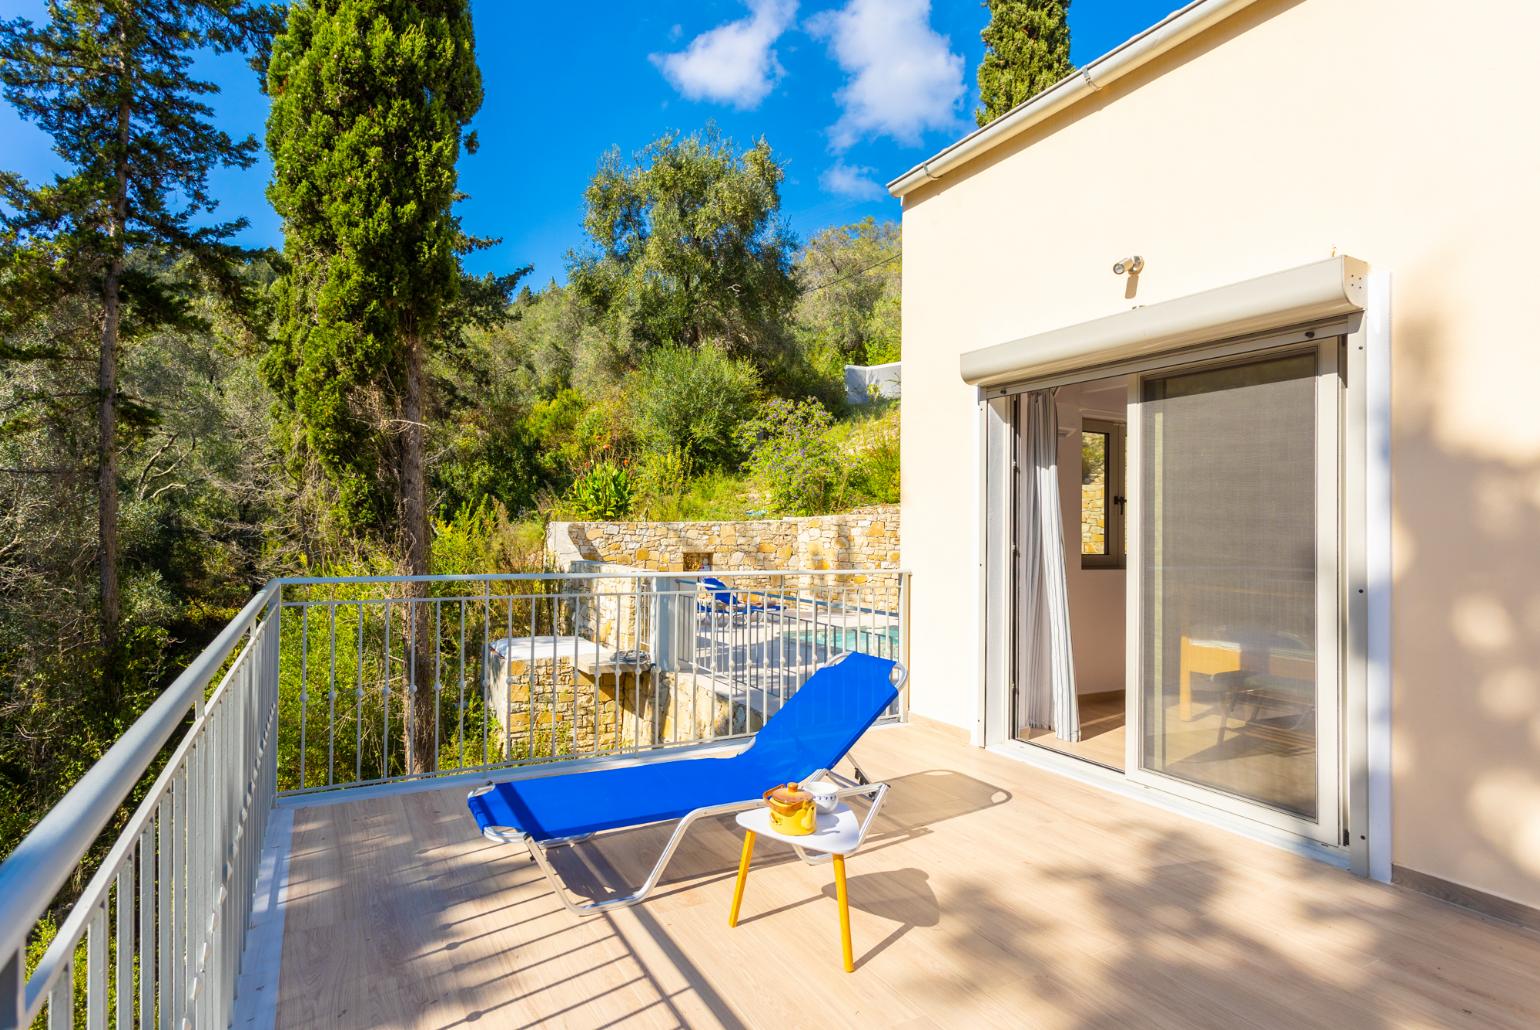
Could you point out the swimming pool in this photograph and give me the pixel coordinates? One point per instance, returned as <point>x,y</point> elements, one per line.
<point>881,641</point>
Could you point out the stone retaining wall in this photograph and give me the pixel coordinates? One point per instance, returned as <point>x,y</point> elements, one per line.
<point>866,538</point>
<point>556,707</point>
<point>1093,507</point>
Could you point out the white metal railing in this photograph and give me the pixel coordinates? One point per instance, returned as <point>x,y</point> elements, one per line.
<point>154,939</point>
<point>328,684</point>
<point>386,679</point>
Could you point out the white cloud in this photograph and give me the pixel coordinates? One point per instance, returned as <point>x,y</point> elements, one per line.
<point>853,181</point>
<point>733,63</point>
<point>904,78</point>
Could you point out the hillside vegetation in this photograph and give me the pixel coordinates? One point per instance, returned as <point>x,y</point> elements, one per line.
<point>647,386</point>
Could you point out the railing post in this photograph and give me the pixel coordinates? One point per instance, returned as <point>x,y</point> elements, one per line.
<point>13,985</point>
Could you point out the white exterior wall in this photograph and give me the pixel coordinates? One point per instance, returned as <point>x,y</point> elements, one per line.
<point>1401,132</point>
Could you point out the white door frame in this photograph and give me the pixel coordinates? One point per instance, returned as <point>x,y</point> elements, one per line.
<point>1366,563</point>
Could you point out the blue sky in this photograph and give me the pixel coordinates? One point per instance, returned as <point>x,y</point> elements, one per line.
<point>849,93</point>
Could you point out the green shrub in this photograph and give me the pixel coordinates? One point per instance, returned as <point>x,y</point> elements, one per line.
<point>714,496</point>
<point>1093,457</point>
<point>883,337</point>
<point>481,538</point>
<point>794,456</point>
<point>693,401</point>
<point>875,477</point>
<point>605,429</point>
<point>487,457</point>
<point>552,429</point>
<point>602,493</point>
<point>37,947</point>
<point>661,480</point>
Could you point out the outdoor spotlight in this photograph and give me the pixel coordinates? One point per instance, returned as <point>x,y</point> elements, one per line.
<point>1132,265</point>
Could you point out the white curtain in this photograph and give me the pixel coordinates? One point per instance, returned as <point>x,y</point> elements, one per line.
<point>1046,672</point>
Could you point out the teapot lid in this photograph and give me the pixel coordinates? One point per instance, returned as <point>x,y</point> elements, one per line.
<point>788,794</point>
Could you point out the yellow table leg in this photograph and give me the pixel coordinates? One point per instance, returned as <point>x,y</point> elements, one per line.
<point>743,875</point>
<point>844,900</point>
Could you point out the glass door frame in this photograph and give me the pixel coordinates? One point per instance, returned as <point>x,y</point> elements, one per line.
<point>1366,588</point>
<point>1329,402</point>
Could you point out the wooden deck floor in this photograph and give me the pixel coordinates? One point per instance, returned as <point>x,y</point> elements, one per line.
<point>992,894</point>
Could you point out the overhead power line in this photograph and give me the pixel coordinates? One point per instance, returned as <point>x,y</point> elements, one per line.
<point>860,271</point>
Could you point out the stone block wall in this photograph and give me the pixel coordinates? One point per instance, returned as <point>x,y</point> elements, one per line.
<point>692,708</point>
<point>1093,507</point>
<point>617,612</point>
<point>555,708</point>
<point>866,538</point>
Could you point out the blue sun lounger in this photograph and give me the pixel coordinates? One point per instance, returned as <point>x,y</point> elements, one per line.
<point>807,738</point>
<point>725,599</point>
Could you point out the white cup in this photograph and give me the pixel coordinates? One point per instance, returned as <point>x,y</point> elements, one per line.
<point>823,792</point>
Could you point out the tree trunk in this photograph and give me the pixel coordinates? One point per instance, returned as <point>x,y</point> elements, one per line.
<point>423,745</point>
<point>107,407</point>
<point>107,483</point>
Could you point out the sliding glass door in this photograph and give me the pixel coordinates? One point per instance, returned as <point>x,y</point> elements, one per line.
<point>1233,586</point>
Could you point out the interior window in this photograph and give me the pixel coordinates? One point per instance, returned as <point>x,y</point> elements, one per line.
<point>1102,461</point>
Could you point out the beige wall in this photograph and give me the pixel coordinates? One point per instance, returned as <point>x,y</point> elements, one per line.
<point>1292,131</point>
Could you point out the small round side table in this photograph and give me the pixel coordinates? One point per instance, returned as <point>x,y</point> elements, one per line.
<point>838,834</point>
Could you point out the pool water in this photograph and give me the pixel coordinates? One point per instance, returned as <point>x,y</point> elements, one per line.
<point>881,641</point>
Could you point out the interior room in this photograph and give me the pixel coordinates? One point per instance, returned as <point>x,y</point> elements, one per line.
<point>1092,459</point>
<point>1227,493</point>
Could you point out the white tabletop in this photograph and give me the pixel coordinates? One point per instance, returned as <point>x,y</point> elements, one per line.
<point>837,832</point>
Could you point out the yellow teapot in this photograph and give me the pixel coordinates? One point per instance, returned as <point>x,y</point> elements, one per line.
<point>791,810</point>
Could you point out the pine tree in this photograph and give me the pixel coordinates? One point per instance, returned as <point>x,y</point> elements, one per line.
<point>370,103</point>
<point>1026,50</point>
<point>110,82</point>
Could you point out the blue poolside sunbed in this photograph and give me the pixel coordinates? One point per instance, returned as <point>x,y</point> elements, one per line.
<point>811,733</point>
<point>725,599</point>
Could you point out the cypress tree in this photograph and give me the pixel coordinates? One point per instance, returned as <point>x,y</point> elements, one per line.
<point>370,104</point>
<point>109,81</point>
<point>1026,50</point>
